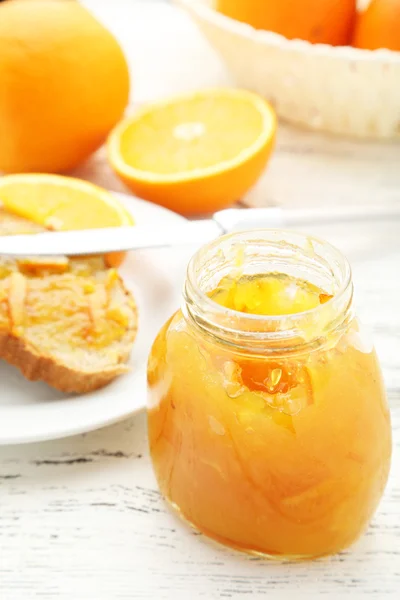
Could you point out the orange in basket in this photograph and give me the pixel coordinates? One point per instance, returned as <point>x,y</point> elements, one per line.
<point>379,26</point>
<point>318,21</point>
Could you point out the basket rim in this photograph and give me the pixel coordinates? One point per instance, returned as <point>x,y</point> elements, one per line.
<point>278,41</point>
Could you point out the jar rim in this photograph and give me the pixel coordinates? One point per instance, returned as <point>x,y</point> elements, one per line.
<point>225,323</point>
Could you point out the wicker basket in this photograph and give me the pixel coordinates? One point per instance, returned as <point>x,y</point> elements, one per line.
<point>341,90</point>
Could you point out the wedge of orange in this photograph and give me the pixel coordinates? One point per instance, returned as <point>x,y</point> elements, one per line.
<point>196,153</point>
<point>62,203</point>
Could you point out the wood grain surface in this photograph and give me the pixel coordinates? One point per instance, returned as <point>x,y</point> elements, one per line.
<point>81,518</point>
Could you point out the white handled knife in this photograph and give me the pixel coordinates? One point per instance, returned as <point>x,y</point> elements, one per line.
<point>115,239</point>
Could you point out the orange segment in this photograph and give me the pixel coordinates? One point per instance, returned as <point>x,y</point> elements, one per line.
<point>63,203</point>
<point>195,153</point>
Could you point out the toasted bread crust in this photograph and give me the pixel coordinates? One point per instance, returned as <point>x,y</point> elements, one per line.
<point>36,367</point>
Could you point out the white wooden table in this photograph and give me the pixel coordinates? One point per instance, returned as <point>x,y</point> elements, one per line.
<point>81,518</point>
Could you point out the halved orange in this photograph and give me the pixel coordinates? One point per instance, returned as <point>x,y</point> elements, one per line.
<point>195,153</point>
<point>62,203</point>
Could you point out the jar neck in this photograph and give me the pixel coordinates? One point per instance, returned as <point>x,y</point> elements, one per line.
<point>261,252</point>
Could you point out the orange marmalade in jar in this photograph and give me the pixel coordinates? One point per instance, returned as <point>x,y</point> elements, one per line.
<point>269,428</point>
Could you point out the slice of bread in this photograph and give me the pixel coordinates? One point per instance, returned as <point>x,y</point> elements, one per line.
<point>68,322</point>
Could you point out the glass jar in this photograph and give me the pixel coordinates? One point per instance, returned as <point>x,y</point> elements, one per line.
<point>270,434</point>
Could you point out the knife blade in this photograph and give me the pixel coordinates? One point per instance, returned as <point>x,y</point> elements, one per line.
<point>111,239</point>
<point>117,239</point>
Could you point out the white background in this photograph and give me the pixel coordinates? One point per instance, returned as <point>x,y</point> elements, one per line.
<point>81,518</point>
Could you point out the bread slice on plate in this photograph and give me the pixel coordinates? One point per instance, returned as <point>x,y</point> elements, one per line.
<point>68,322</point>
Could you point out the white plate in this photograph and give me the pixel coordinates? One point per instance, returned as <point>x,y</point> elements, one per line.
<point>31,412</point>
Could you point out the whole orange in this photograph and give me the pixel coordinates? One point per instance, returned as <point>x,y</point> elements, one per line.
<point>64,85</point>
<point>318,21</point>
<point>378,26</point>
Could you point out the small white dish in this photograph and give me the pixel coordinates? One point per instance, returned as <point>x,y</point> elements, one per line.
<point>32,412</point>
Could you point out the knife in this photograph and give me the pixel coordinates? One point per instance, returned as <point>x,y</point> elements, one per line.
<point>116,239</point>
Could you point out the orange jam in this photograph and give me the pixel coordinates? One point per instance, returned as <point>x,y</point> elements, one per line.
<point>272,294</point>
<point>269,448</point>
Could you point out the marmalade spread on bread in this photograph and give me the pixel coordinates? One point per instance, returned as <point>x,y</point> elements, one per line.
<point>67,321</point>
<point>61,295</point>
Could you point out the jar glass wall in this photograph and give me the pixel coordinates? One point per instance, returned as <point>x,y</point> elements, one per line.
<point>269,428</point>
